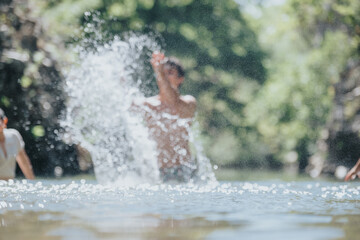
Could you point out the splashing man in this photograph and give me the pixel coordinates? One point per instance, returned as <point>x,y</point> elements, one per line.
<point>169,116</point>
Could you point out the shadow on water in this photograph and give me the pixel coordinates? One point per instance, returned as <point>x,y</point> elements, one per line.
<point>60,225</point>
<point>30,225</point>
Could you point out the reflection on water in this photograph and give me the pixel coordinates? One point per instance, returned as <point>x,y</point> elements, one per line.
<point>232,210</point>
<point>29,224</point>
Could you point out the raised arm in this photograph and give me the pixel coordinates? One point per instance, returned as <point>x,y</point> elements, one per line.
<point>168,81</point>
<point>25,164</point>
<point>167,92</point>
<point>352,173</point>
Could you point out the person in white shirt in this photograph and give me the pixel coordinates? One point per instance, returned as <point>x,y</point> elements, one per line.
<point>12,151</point>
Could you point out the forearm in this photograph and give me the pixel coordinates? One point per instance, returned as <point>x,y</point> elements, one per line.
<point>353,172</point>
<point>169,94</point>
<point>25,165</point>
<point>357,166</point>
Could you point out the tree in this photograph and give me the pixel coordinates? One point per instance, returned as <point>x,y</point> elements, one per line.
<point>31,90</point>
<point>219,51</point>
<point>305,60</point>
<point>321,21</point>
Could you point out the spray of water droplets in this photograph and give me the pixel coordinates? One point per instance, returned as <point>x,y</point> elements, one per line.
<point>101,89</point>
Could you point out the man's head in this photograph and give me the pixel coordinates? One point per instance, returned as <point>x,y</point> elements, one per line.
<point>3,119</point>
<point>174,71</point>
<point>2,114</point>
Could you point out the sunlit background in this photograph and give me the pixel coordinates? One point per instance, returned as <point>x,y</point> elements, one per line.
<point>277,82</point>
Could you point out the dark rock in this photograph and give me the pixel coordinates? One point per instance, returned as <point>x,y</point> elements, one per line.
<point>29,43</point>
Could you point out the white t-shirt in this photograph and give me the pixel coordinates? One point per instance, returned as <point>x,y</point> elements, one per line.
<point>13,145</point>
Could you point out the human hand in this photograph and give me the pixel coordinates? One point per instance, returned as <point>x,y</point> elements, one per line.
<point>351,175</point>
<point>353,172</point>
<point>157,59</point>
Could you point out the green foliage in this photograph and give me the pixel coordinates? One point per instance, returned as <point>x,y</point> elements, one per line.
<point>316,18</point>
<point>62,18</point>
<point>31,89</point>
<point>264,84</point>
<point>305,60</point>
<point>217,47</point>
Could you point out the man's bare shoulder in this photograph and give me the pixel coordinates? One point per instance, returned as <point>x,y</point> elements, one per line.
<point>188,106</point>
<point>153,101</point>
<point>149,101</point>
<point>188,99</point>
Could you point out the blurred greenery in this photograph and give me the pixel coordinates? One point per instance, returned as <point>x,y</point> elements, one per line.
<point>264,74</point>
<point>219,50</point>
<point>293,106</point>
<point>229,174</point>
<point>31,91</point>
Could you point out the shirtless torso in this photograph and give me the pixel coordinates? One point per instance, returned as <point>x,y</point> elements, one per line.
<point>170,132</point>
<point>169,116</point>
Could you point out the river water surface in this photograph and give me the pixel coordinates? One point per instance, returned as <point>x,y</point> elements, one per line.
<point>102,86</point>
<point>84,209</point>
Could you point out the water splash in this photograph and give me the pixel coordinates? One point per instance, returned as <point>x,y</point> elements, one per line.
<point>205,173</point>
<point>101,89</point>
